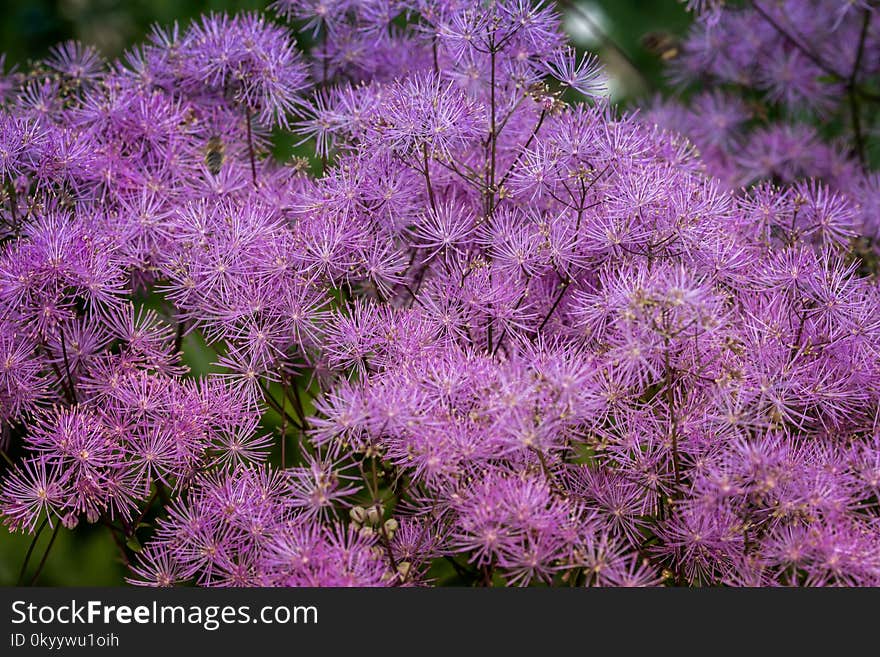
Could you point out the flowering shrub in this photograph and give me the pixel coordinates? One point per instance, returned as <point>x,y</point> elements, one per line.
<point>485,330</point>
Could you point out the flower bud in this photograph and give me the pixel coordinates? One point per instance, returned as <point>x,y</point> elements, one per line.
<point>391,525</point>
<point>70,520</point>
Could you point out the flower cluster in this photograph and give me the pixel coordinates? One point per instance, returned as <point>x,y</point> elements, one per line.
<point>767,83</point>
<point>483,336</point>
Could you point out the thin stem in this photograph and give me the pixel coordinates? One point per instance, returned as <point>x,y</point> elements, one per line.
<point>163,494</point>
<point>30,551</point>
<point>278,408</point>
<point>413,297</point>
<point>493,141</point>
<point>472,179</point>
<point>323,52</point>
<point>462,571</point>
<point>62,381</point>
<point>427,173</point>
<point>855,116</point>
<point>323,28</point>
<point>178,337</point>
<point>515,308</point>
<point>374,490</point>
<point>250,141</point>
<point>146,508</point>
<point>67,365</point>
<point>377,500</point>
<point>490,174</point>
<point>119,545</point>
<point>488,572</point>
<point>548,473</point>
<point>510,114</point>
<point>283,434</point>
<point>813,57</point>
<point>853,96</point>
<point>565,285</point>
<point>523,149</point>
<point>298,407</point>
<point>46,553</point>
<point>13,203</point>
<point>673,422</point>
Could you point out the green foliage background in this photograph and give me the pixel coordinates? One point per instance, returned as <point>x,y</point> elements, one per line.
<point>28,28</point>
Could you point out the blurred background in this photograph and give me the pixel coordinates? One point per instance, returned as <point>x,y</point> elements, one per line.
<point>630,36</point>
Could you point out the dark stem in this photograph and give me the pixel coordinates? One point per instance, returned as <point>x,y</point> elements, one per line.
<point>30,551</point>
<point>853,96</point>
<point>428,178</point>
<point>493,142</point>
<point>545,467</point>
<point>323,29</point>
<point>565,284</point>
<point>178,337</point>
<point>523,149</point>
<point>298,406</point>
<point>250,141</point>
<point>284,432</point>
<point>377,502</point>
<point>62,381</point>
<point>487,575</point>
<point>516,307</point>
<point>278,408</point>
<point>462,571</point>
<point>813,57</point>
<point>670,403</point>
<point>163,494</point>
<point>323,52</point>
<point>67,365</point>
<point>13,203</point>
<point>152,499</point>
<point>46,553</point>
<point>119,545</point>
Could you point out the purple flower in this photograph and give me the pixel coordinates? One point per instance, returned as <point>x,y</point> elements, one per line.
<point>483,336</point>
